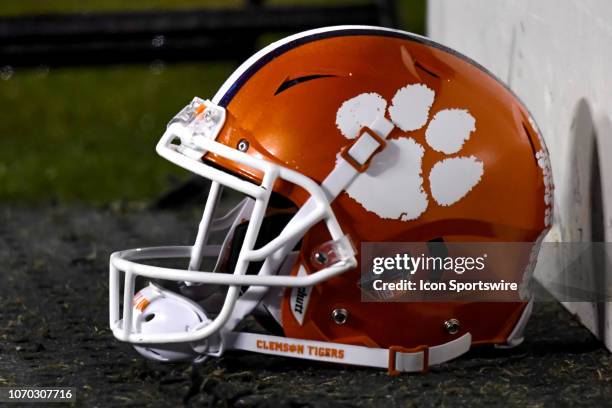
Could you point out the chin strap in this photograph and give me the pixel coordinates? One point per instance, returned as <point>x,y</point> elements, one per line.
<point>395,359</point>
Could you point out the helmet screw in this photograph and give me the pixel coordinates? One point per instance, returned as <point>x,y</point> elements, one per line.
<point>340,316</point>
<point>243,145</point>
<point>451,326</point>
<point>320,257</point>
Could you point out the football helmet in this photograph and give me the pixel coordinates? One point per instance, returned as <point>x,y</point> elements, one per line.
<point>338,136</point>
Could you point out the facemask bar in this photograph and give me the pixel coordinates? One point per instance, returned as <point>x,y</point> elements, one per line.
<point>203,228</point>
<point>196,132</point>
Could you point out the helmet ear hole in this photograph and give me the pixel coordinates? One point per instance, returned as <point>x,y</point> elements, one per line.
<point>149,317</point>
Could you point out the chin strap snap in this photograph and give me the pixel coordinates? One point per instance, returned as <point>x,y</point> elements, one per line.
<point>395,359</point>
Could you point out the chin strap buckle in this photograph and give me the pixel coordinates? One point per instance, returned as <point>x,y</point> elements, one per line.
<point>395,350</point>
<point>360,151</point>
<point>420,358</point>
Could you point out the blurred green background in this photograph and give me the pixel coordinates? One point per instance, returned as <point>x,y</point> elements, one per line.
<point>87,135</point>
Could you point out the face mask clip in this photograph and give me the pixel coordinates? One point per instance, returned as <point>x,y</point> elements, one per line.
<point>202,117</point>
<point>332,252</point>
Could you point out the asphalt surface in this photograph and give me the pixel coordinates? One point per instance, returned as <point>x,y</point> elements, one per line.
<point>54,332</point>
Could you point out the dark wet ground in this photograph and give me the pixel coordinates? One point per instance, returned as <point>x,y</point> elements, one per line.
<point>54,318</point>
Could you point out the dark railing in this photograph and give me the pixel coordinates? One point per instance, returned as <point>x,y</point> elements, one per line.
<point>179,35</point>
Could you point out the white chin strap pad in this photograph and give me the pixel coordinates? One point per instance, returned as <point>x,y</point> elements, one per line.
<point>157,310</point>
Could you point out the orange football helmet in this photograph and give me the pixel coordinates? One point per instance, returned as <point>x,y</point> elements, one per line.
<point>341,136</point>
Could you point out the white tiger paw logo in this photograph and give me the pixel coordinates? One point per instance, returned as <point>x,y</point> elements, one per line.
<point>392,187</point>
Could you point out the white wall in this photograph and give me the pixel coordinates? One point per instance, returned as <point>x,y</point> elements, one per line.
<point>557,57</point>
